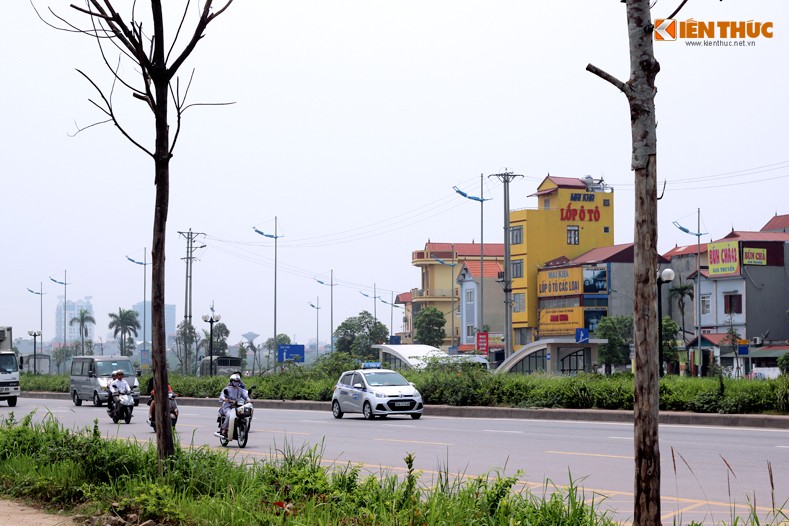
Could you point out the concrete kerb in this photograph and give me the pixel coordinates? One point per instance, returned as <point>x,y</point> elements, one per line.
<point>593,415</point>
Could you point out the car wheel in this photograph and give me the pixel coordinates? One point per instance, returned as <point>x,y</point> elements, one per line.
<point>336,410</point>
<point>367,410</point>
<point>12,401</point>
<point>76,399</point>
<point>96,399</point>
<point>416,416</point>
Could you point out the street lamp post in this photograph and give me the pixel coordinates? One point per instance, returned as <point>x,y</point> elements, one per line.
<point>451,292</point>
<point>40,294</point>
<point>481,199</point>
<point>666,276</point>
<point>144,264</point>
<point>506,178</point>
<point>697,297</point>
<point>275,237</point>
<point>211,319</point>
<point>317,307</point>
<point>34,334</point>
<point>64,283</point>
<point>374,297</point>
<point>331,285</point>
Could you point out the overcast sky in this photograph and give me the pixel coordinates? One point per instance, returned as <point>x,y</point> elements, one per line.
<point>352,122</point>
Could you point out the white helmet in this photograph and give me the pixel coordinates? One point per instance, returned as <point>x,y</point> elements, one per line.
<point>235,377</point>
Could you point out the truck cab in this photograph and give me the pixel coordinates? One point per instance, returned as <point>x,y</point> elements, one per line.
<point>9,368</point>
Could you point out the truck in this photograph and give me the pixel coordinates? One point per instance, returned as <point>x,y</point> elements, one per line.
<point>9,368</point>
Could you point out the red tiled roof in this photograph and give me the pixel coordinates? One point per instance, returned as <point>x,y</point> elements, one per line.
<point>402,298</point>
<point>685,250</point>
<point>491,268</point>
<point>714,338</point>
<point>757,236</point>
<point>777,223</point>
<point>567,182</point>
<point>467,249</point>
<point>601,254</point>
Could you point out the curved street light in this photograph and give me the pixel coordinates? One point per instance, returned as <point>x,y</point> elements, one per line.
<point>64,283</point>
<point>275,237</point>
<point>144,264</point>
<point>317,322</point>
<point>451,292</point>
<point>697,297</point>
<point>40,294</point>
<point>331,286</point>
<point>481,199</point>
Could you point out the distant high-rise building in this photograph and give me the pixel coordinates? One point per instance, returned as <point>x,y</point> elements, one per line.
<point>146,324</point>
<point>72,311</point>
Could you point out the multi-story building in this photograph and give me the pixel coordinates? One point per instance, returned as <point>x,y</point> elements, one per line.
<point>474,317</point>
<point>72,309</point>
<point>146,324</point>
<point>440,264</point>
<point>573,217</point>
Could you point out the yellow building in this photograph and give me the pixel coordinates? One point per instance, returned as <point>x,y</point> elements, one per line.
<point>573,217</point>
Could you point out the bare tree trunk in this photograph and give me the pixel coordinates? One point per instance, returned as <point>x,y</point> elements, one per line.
<point>640,92</point>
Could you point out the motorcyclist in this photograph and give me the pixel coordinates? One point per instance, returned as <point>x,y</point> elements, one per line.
<point>152,402</point>
<point>118,387</point>
<point>110,405</point>
<point>230,394</point>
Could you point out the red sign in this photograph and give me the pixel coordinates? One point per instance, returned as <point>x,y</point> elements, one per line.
<point>482,342</point>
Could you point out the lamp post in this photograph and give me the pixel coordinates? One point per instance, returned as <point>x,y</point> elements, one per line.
<point>506,178</point>
<point>64,283</point>
<point>211,319</point>
<point>34,334</point>
<point>144,264</point>
<point>697,297</point>
<point>275,237</point>
<point>481,200</point>
<point>317,307</point>
<point>40,294</point>
<point>665,276</point>
<point>451,292</point>
<point>331,285</point>
<point>392,307</point>
<point>374,297</point>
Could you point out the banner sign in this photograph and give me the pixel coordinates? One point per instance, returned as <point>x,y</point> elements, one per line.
<point>559,282</point>
<point>724,258</point>
<point>557,322</point>
<point>754,256</point>
<point>482,342</point>
<point>595,280</point>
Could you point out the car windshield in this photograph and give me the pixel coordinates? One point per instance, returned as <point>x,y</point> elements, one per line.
<point>379,379</point>
<point>8,363</point>
<point>105,368</point>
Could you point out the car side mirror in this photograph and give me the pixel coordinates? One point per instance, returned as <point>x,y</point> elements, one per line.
<point>357,386</point>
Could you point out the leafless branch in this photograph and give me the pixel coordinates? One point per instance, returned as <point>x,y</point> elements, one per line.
<point>178,31</point>
<point>205,18</point>
<point>621,86</point>
<point>82,129</point>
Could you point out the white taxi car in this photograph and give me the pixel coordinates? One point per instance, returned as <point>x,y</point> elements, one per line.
<point>375,392</point>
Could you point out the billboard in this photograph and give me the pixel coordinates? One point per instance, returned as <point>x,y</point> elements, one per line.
<point>754,256</point>
<point>293,353</point>
<point>559,322</point>
<point>724,258</point>
<point>596,280</point>
<point>559,282</point>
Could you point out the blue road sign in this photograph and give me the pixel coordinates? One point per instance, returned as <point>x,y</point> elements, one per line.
<point>290,352</point>
<point>581,335</point>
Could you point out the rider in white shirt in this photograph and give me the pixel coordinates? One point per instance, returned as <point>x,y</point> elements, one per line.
<point>118,387</point>
<point>234,390</point>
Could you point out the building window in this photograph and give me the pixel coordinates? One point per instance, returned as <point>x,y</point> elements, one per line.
<point>606,202</point>
<point>606,229</point>
<point>470,330</point>
<point>516,235</point>
<point>519,302</point>
<point>470,297</point>
<point>572,235</point>
<point>732,303</point>
<point>706,304</point>
<point>546,203</point>
<point>516,267</point>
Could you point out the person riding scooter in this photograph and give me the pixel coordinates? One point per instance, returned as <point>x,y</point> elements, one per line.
<point>229,395</point>
<point>110,405</point>
<point>118,386</point>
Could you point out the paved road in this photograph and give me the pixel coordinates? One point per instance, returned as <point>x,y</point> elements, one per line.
<point>706,469</point>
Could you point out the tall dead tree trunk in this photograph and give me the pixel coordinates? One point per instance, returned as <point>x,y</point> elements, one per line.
<point>149,56</point>
<point>640,93</point>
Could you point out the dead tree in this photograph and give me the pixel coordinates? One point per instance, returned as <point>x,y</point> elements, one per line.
<point>640,93</point>
<point>155,62</point>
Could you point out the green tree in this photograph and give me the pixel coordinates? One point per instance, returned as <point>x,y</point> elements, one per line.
<point>242,353</point>
<point>618,330</point>
<point>185,346</point>
<point>221,334</point>
<point>680,292</point>
<point>429,325</point>
<point>125,324</point>
<point>357,335</point>
<point>783,364</point>
<point>83,319</point>
<point>669,338</point>
<point>62,354</point>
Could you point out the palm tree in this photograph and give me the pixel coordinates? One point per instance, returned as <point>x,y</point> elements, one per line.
<point>83,319</point>
<point>681,292</point>
<point>124,323</point>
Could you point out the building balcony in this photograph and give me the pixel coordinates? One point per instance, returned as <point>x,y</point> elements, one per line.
<point>423,295</point>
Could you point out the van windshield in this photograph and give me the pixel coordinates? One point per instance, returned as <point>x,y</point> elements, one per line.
<point>8,363</point>
<point>105,368</point>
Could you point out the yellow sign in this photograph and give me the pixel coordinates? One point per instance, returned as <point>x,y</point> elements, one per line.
<point>754,256</point>
<point>559,282</point>
<point>724,258</point>
<point>556,322</point>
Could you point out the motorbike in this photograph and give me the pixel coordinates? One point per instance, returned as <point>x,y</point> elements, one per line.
<point>172,407</point>
<point>123,408</point>
<point>240,419</point>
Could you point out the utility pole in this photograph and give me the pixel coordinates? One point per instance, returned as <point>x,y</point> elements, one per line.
<point>190,250</point>
<point>505,177</point>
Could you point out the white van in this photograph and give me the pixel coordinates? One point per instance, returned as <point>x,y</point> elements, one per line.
<point>91,377</point>
<point>9,377</point>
